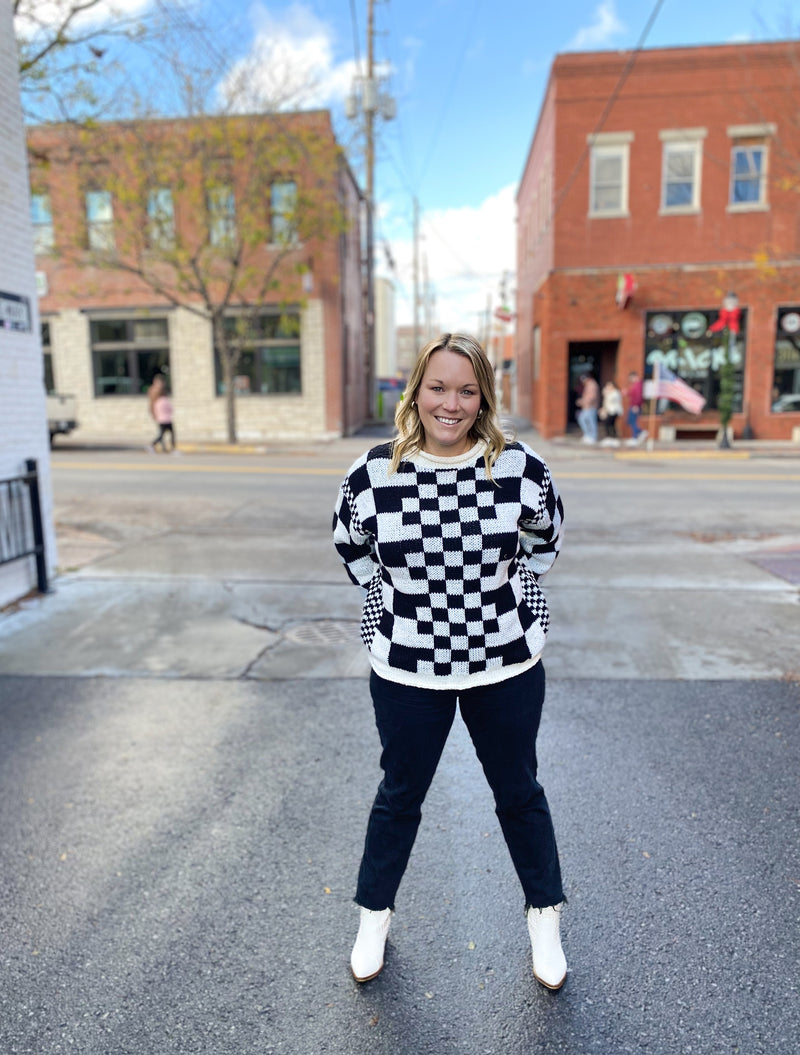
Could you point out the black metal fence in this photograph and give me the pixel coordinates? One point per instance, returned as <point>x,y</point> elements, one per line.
<point>21,529</point>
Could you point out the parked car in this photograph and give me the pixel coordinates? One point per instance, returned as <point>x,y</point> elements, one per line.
<point>61,415</point>
<point>789,401</point>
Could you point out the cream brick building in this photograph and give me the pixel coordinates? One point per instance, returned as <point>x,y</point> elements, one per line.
<point>23,421</point>
<point>106,332</point>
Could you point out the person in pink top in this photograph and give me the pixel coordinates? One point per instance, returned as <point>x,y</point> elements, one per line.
<point>161,412</point>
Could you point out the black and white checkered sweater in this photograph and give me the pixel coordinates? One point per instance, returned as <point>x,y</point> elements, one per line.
<point>450,561</point>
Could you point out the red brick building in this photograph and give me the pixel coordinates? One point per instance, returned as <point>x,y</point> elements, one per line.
<point>680,169</point>
<point>141,228</point>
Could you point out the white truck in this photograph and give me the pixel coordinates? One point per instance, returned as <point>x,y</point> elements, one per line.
<point>61,415</point>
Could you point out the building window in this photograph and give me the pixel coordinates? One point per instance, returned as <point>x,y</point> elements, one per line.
<point>100,221</point>
<point>681,168</point>
<point>786,376</point>
<point>47,356</point>
<point>283,210</point>
<point>269,359</point>
<point>608,173</point>
<point>127,354</point>
<point>747,175</point>
<point>680,340</point>
<point>221,216</point>
<point>42,220</point>
<point>160,219</point>
<point>749,166</point>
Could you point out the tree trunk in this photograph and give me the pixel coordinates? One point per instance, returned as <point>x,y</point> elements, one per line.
<point>227,358</point>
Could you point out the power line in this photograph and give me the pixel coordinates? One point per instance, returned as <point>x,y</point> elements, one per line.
<point>356,43</point>
<point>450,89</point>
<point>608,107</point>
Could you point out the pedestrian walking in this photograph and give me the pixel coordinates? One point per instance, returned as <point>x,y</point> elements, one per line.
<point>589,404</point>
<point>449,529</point>
<point>610,410</point>
<point>161,412</point>
<point>634,396</point>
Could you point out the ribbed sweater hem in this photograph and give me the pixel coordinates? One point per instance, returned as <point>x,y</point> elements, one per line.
<point>452,681</point>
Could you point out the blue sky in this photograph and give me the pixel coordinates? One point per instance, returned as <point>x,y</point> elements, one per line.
<point>468,77</point>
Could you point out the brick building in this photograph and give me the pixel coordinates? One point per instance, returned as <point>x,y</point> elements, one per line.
<point>144,229</point>
<point>680,169</point>
<point>23,422</point>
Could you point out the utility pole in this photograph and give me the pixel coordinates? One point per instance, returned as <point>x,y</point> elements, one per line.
<point>368,97</point>
<point>416,277</point>
<point>367,100</point>
<point>426,293</point>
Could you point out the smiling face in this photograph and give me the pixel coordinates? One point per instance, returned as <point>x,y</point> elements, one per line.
<point>448,401</point>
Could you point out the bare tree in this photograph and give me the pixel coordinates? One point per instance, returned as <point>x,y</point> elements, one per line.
<point>75,55</point>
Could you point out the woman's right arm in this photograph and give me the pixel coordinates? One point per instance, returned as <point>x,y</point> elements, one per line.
<point>353,543</point>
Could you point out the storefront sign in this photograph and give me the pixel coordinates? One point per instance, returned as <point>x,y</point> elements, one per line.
<point>694,346</point>
<point>15,313</point>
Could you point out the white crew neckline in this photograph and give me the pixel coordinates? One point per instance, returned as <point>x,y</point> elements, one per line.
<point>448,461</point>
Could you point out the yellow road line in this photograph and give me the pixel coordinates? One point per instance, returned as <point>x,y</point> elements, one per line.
<point>642,456</point>
<point>187,467</point>
<point>278,470</point>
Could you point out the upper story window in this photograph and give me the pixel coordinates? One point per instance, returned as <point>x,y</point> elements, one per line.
<point>42,220</point>
<point>100,220</point>
<point>749,158</point>
<point>608,173</point>
<point>283,214</point>
<point>681,170</point>
<point>160,219</point>
<point>221,216</point>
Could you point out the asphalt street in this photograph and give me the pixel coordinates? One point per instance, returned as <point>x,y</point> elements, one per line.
<point>188,758</point>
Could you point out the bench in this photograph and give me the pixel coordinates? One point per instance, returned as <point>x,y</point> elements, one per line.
<point>690,430</point>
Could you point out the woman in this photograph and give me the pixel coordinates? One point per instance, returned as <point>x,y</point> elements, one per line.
<point>610,411</point>
<point>449,528</point>
<point>161,413</point>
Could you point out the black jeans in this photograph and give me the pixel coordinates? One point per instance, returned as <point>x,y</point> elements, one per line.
<point>413,724</point>
<point>162,431</point>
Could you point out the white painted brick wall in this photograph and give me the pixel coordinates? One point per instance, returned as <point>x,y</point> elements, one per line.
<point>199,412</point>
<point>23,418</point>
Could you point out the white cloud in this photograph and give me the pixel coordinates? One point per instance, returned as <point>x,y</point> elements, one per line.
<point>35,16</point>
<point>605,26</point>
<point>468,250</point>
<point>290,64</point>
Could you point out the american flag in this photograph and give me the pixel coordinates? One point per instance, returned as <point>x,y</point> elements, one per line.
<point>670,386</point>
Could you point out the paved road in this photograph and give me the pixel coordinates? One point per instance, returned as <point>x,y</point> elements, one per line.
<point>185,772</point>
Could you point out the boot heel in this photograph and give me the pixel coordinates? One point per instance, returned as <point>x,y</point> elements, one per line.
<point>366,959</point>
<point>549,962</point>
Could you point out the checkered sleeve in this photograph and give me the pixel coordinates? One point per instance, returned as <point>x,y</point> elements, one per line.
<point>354,544</point>
<point>542,516</point>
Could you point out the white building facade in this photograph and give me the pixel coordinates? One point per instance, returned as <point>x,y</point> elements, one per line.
<point>23,419</point>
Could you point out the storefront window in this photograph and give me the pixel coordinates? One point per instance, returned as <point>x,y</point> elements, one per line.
<point>127,354</point>
<point>786,376</point>
<point>269,354</point>
<point>683,341</point>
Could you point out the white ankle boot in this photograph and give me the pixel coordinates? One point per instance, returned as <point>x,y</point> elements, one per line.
<point>366,959</point>
<point>549,962</point>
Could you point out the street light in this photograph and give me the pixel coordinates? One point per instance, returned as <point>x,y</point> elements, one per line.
<point>728,320</point>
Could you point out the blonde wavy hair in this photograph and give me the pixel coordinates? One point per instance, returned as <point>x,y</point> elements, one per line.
<point>410,433</point>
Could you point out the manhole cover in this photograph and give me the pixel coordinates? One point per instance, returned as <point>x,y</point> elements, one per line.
<point>325,632</point>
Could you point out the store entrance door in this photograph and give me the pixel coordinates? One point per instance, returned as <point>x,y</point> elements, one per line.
<point>596,357</point>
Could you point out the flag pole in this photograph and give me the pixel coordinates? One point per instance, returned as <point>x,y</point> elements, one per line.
<point>651,428</point>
